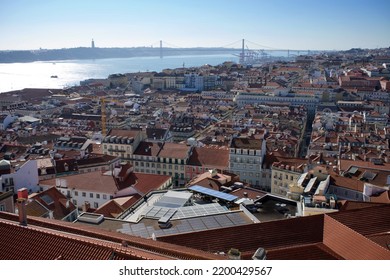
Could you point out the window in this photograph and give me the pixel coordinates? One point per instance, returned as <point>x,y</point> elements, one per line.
<point>74,201</point>
<point>91,195</point>
<point>84,194</point>
<point>96,205</point>
<point>104,196</point>
<point>98,196</point>
<point>76,193</point>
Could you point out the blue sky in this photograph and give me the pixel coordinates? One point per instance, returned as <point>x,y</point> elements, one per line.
<point>287,24</point>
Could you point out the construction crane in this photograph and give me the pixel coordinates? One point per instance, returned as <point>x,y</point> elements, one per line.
<point>104,116</point>
<point>103,102</point>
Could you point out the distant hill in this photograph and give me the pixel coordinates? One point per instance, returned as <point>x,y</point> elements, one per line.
<point>98,53</point>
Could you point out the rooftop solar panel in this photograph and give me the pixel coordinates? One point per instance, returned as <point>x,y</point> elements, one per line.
<point>213,193</point>
<point>173,199</point>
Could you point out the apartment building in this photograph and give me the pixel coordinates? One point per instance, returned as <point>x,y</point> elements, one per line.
<point>246,158</point>
<point>122,143</point>
<point>162,158</point>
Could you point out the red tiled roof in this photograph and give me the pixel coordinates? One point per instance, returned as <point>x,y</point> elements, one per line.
<point>113,208</point>
<point>76,241</point>
<point>34,208</point>
<point>145,183</point>
<point>210,157</point>
<point>174,150</point>
<point>125,133</point>
<point>110,209</point>
<point>246,143</point>
<point>349,243</point>
<point>33,243</point>
<point>209,183</point>
<point>353,234</point>
<point>372,220</point>
<point>148,149</point>
<point>248,238</point>
<point>306,252</point>
<point>382,239</point>
<point>351,205</point>
<point>91,181</point>
<point>59,203</point>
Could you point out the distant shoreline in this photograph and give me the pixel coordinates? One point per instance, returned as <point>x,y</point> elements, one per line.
<point>102,53</point>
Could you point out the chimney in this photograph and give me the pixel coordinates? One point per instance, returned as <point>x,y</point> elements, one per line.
<point>85,207</point>
<point>21,202</point>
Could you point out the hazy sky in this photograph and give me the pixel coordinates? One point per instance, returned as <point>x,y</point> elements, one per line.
<point>287,24</point>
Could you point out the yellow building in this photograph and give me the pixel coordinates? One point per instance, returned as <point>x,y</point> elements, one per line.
<point>122,143</point>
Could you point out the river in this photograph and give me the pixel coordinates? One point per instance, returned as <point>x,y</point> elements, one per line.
<point>15,76</point>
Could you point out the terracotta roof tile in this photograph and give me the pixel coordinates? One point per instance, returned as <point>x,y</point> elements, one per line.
<point>35,208</point>
<point>372,220</point>
<point>210,157</point>
<point>174,150</point>
<point>91,181</point>
<point>58,205</point>
<point>269,235</point>
<point>349,243</point>
<point>138,248</point>
<point>306,252</point>
<point>126,133</point>
<point>246,143</point>
<point>382,239</point>
<point>30,243</point>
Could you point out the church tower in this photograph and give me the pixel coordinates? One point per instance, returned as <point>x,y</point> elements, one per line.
<point>93,44</point>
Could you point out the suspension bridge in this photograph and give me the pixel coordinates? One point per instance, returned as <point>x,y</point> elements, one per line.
<point>248,51</point>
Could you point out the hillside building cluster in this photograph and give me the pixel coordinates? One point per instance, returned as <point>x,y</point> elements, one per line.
<point>187,155</point>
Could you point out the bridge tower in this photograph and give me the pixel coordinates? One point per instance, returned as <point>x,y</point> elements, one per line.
<point>161,49</point>
<point>242,54</point>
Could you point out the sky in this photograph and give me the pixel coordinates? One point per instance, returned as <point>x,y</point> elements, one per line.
<point>275,24</point>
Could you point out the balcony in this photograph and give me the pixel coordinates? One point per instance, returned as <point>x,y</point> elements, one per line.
<point>116,150</point>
